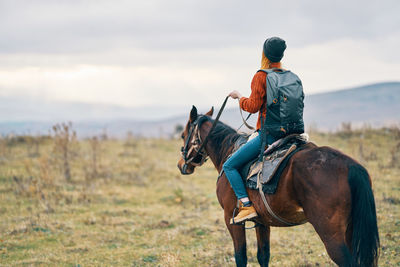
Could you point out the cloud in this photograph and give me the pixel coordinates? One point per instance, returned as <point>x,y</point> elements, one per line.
<point>82,26</point>
<point>168,52</point>
<point>200,78</point>
<point>345,63</point>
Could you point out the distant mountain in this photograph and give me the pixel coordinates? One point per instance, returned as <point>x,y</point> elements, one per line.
<point>21,115</point>
<point>376,105</point>
<point>43,110</point>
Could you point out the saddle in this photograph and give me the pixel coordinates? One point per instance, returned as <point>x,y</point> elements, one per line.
<point>267,173</point>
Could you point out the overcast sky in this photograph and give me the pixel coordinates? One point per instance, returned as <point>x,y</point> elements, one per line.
<point>158,52</point>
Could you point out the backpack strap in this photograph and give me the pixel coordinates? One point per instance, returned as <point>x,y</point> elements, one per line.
<point>263,133</point>
<point>271,70</point>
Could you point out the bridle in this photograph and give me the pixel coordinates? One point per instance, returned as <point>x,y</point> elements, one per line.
<point>194,140</point>
<point>193,143</point>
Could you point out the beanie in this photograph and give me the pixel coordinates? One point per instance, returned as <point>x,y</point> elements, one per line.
<point>274,48</point>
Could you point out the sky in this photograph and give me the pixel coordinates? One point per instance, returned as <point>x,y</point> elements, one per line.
<point>179,53</point>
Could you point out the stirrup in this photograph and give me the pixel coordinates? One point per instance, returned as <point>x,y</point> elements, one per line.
<point>242,222</point>
<point>232,220</point>
<point>256,224</point>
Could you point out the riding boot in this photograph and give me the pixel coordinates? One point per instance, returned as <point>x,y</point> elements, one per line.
<point>246,212</point>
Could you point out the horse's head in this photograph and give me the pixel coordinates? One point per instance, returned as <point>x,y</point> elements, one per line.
<point>193,154</point>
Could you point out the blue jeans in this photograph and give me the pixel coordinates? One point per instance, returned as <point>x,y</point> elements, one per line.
<point>243,155</point>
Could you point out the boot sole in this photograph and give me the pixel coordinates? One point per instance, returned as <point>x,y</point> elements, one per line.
<point>248,217</point>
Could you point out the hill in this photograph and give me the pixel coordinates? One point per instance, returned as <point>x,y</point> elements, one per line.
<point>376,105</point>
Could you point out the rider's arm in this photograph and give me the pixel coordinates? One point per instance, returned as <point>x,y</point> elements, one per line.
<point>253,103</point>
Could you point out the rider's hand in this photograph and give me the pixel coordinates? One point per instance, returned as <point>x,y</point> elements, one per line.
<point>235,94</point>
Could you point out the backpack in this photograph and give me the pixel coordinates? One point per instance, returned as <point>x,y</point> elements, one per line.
<point>284,103</point>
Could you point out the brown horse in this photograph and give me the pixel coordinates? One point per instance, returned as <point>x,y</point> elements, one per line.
<point>327,188</point>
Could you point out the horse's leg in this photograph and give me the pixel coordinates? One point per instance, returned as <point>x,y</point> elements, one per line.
<point>263,245</point>
<point>335,244</point>
<point>349,222</point>
<point>332,227</point>
<point>238,234</point>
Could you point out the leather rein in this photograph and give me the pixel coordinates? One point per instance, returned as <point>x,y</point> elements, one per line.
<point>194,140</point>
<point>199,148</point>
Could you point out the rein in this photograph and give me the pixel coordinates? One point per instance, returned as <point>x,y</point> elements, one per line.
<point>214,123</point>
<point>196,139</point>
<point>244,120</point>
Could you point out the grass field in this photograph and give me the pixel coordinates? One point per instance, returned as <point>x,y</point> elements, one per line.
<point>125,204</point>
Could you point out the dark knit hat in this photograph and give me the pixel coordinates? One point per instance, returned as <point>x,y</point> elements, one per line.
<point>274,48</point>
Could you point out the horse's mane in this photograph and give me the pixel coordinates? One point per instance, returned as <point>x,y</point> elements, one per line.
<point>222,137</point>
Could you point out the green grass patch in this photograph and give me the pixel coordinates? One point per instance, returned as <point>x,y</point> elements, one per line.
<point>139,211</point>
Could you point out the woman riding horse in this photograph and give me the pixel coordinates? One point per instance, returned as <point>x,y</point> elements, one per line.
<point>272,54</point>
<point>320,185</point>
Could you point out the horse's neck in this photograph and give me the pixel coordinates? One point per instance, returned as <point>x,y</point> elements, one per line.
<point>214,156</point>
<point>217,157</point>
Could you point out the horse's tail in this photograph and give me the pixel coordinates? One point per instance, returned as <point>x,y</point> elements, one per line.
<point>365,238</point>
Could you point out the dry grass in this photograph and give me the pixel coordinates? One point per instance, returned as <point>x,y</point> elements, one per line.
<point>127,205</point>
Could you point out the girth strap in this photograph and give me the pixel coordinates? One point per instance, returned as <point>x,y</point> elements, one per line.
<point>270,211</point>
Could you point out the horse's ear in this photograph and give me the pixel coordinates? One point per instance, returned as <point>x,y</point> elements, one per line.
<point>193,114</point>
<point>210,113</point>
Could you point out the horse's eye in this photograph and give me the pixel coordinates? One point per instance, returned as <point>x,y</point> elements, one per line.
<point>183,136</point>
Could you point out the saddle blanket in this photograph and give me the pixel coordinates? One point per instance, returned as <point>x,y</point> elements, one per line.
<point>276,158</point>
